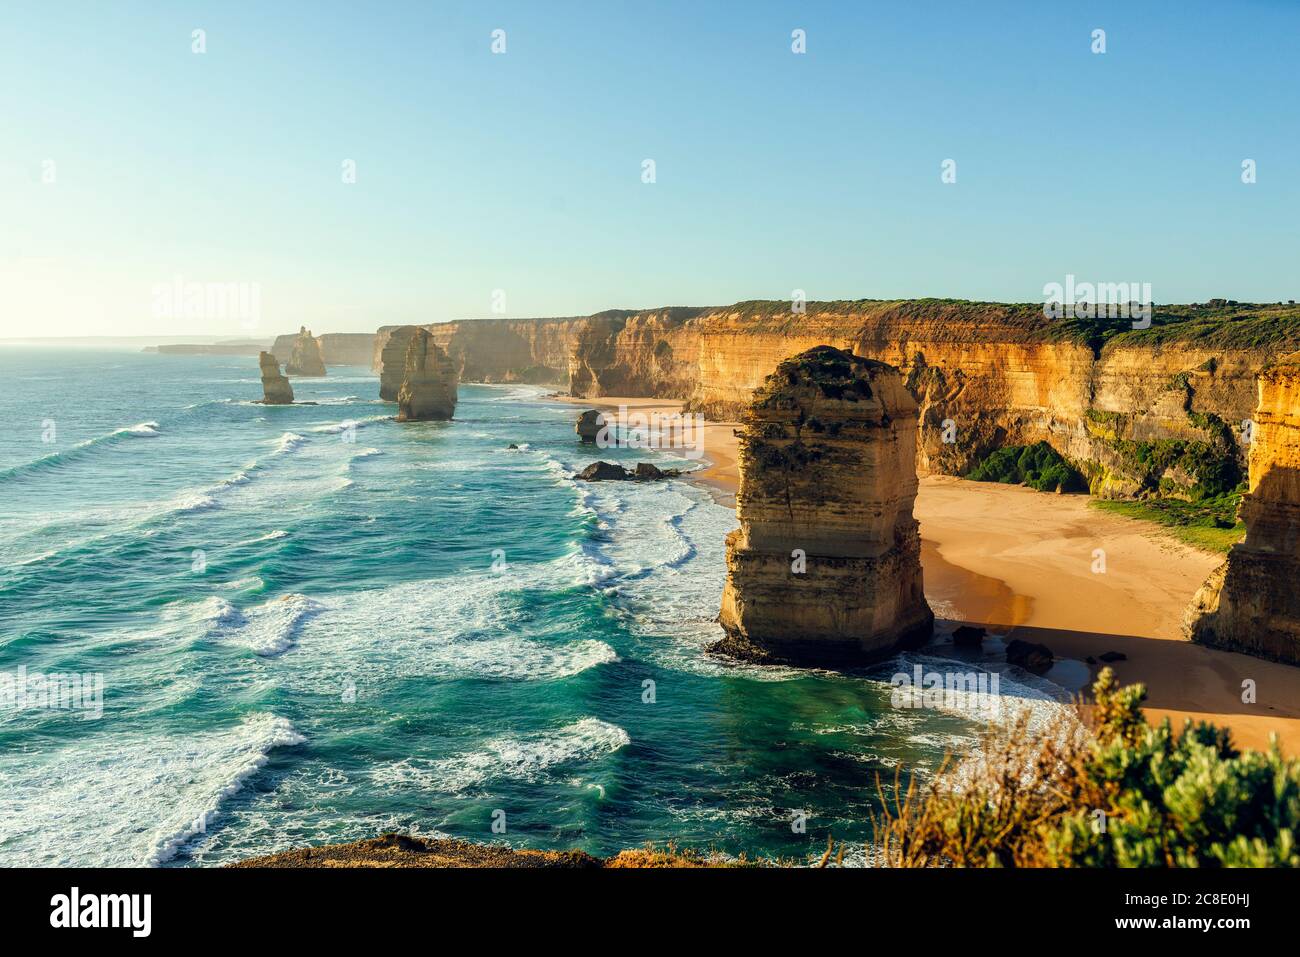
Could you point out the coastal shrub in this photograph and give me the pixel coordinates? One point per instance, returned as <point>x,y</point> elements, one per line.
<point>1039,465</point>
<point>1109,790</point>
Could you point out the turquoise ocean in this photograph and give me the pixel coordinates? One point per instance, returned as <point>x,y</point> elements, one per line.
<point>315,624</point>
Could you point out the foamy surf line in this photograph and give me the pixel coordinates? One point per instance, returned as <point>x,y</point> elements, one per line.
<point>267,630</point>
<point>262,733</point>
<point>141,430</point>
<point>523,758</point>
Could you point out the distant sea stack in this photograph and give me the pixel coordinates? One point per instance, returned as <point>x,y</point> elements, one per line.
<point>1251,603</point>
<point>392,362</point>
<point>428,389</point>
<point>276,389</point>
<point>826,565</point>
<point>337,348</point>
<point>306,358</point>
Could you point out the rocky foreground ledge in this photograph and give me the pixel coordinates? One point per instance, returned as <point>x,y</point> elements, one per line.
<point>399,850</point>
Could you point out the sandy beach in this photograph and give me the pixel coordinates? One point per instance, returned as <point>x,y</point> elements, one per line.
<point>1030,565</point>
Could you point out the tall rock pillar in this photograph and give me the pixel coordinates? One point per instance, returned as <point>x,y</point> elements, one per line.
<point>826,565</point>
<point>1251,603</point>
<point>276,389</point>
<point>392,362</point>
<point>429,387</point>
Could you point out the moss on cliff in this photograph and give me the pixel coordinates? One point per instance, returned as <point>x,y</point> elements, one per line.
<point>1219,323</point>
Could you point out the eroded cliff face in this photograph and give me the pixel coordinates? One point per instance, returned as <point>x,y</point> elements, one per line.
<point>1252,602</point>
<point>826,565</point>
<point>989,375</point>
<point>621,353</point>
<point>276,389</point>
<point>430,383</point>
<point>1138,412</point>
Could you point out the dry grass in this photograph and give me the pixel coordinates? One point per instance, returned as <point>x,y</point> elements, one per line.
<point>993,809</point>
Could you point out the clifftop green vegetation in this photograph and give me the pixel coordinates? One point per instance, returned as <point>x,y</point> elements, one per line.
<point>1216,324</point>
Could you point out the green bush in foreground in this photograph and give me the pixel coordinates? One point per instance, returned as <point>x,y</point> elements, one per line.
<point>1125,795</point>
<point>1038,465</point>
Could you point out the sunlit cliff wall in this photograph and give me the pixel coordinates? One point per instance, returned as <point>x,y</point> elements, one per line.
<point>1112,399</point>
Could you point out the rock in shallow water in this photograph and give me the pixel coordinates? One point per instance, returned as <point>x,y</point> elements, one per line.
<point>589,425</point>
<point>1030,656</point>
<point>609,472</point>
<point>276,389</point>
<point>428,391</point>
<point>968,636</point>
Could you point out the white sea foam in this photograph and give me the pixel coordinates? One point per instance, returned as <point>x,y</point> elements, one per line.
<point>289,442</point>
<point>267,630</point>
<point>141,430</point>
<point>517,758</point>
<point>336,427</point>
<point>467,625</point>
<point>268,537</point>
<point>193,502</point>
<point>133,797</point>
<point>145,430</point>
<point>237,761</point>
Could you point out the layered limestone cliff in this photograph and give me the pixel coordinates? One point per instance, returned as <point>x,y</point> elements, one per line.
<point>826,565</point>
<point>620,353</point>
<point>428,390</point>
<point>1138,411</point>
<point>987,375</point>
<point>392,361</point>
<point>306,358</point>
<point>276,389</point>
<point>1251,603</point>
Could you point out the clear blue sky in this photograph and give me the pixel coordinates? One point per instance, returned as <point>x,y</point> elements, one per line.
<point>522,171</point>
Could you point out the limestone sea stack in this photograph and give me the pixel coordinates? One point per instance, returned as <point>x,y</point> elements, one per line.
<point>306,358</point>
<point>1251,603</point>
<point>276,389</point>
<point>826,565</point>
<point>392,362</point>
<point>429,386</point>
